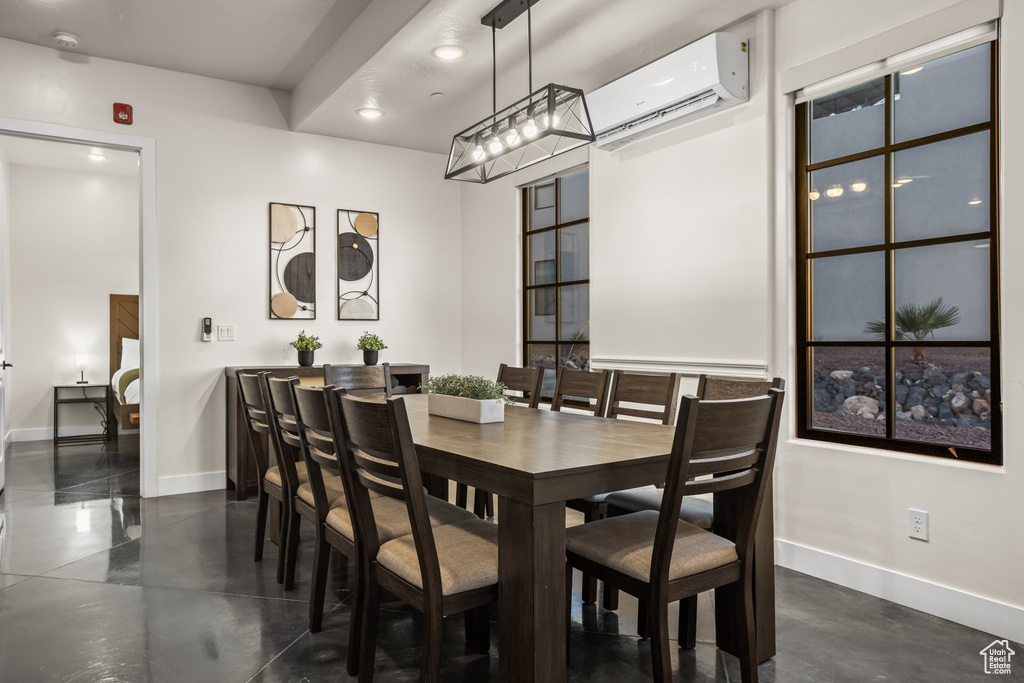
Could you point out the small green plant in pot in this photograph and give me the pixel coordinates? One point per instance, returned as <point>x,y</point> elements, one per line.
<point>467,397</point>
<point>306,345</point>
<point>370,345</point>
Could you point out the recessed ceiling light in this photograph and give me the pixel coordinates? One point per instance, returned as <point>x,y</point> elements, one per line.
<point>974,202</point>
<point>910,72</point>
<point>859,186</point>
<point>370,113</point>
<point>65,39</point>
<point>449,52</point>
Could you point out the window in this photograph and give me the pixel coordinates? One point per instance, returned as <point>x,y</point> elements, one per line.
<point>556,275</point>
<point>897,301</point>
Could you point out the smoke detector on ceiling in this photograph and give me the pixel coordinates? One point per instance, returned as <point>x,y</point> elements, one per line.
<point>65,39</point>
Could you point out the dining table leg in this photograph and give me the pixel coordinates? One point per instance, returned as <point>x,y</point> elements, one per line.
<point>531,589</point>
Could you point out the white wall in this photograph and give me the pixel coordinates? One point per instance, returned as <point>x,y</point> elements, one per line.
<point>841,513</point>
<point>74,241</point>
<point>5,286</point>
<point>679,235</point>
<point>224,152</point>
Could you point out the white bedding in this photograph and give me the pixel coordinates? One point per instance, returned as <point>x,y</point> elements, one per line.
<point>131,392</point>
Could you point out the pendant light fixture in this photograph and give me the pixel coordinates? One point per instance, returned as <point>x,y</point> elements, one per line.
<point>547,122</point>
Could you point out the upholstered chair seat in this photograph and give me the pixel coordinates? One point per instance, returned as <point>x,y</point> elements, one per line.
<point>392,517</point>
<point>697,510</point>
<point>467,554</point>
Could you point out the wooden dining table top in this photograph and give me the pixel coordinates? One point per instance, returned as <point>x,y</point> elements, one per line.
<point>539,456</point>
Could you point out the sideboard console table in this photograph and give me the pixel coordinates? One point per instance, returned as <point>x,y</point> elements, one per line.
<point>241,472</point>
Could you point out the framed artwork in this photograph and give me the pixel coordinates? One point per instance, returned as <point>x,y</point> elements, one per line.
<point>358,265</point>
<point>292,261</point>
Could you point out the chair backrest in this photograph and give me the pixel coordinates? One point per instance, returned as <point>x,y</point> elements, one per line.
<point>658,394</point>
<point>527,381</point>
<point>318,450</point>
<point>359,380</point>
<point>250,396</point>
<point>574,385</point>
<point>732,440</point>
<point>382,457</point>
<point>284,430</point>
<point>723,388</point>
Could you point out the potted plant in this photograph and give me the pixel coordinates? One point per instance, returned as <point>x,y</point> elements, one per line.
<point>306,345</point>
<point>466,397</point>
<point>370,344</point>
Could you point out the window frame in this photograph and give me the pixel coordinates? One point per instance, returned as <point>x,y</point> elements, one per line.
<point>889,247</point>
<point>558,283</point>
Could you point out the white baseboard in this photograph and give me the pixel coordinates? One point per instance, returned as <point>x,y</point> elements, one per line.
<point>191,483</point>
<point>46,433</point>
<point>985,614</point>
<point>7,440</point>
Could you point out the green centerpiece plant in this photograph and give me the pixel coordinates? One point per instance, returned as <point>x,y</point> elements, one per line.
<point>467,397</point>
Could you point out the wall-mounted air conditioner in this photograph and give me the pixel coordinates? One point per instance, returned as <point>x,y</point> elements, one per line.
<point>705,76</point>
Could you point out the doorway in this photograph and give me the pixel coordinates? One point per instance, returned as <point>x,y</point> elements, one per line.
<point>143,151</point>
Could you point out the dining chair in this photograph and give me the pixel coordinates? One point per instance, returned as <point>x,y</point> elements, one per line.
<point>288,440</point>
<point>659,558</point>
<point>257,434</point>
<point>636,396</point>
<point>577,388</point>
<point>696,510</point>
<point>359,380</point>
<point>438,570</point>
<point>318,451</point>
<point>528,382</point>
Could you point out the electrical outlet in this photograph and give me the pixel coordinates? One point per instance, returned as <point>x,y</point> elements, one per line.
<point>225,333</point>
<point>918,524</point>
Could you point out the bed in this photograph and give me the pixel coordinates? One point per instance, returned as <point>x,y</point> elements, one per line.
<point>124,363</point>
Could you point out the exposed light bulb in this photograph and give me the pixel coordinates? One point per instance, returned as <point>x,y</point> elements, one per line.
<point>549,121</point>
<point>814,195</point>
<point>834,191</point>
<point>859,186</point>
<point>511,133</point>
<point>495,146</point>
<point>477,152</point>
<point>529,128</point>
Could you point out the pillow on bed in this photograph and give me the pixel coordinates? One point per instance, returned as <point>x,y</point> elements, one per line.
<point>129,353</point>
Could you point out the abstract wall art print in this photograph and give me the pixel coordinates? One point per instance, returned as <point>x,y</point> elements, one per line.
<point>292,261</point>
<point>358,265</point>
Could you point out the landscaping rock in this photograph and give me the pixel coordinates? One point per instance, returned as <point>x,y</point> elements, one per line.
<point>862,405</point>
<point>841,375</point>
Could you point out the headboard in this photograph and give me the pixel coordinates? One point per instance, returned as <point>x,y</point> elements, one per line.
<point>124,324</point>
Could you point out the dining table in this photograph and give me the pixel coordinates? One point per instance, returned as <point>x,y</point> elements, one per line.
<point>534,461</point>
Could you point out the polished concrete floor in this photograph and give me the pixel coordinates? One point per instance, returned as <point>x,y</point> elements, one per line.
<point>97,584</point>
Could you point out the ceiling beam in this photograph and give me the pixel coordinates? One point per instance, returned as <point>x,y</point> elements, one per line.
<point>370,32</point>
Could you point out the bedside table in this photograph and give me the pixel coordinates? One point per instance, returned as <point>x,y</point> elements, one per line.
<point>65,394</point>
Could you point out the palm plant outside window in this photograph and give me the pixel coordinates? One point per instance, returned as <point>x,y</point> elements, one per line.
<point>897,250</point>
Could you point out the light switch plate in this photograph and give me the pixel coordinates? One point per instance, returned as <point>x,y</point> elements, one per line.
<point>225,333</point>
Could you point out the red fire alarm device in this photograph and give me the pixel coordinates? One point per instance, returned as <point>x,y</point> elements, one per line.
<point>123,113</point>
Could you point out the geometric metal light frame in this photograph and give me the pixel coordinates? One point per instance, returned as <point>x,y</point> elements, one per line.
<point>525,133</point>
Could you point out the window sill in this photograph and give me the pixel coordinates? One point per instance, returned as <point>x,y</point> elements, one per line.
<point>896,455</point>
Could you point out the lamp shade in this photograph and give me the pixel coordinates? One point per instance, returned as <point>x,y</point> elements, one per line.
<point>81,362</point>
<point>520,135</point>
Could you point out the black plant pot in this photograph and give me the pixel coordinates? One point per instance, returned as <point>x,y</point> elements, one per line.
<point>305,358</point>
<point>369,357</point>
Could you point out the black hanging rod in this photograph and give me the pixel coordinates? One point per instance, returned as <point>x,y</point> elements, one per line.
<point>506,12</point>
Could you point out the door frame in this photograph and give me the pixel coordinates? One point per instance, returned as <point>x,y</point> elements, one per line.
<point>150,376</point>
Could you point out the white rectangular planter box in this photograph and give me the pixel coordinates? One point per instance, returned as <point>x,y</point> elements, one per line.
<point>466,409</point>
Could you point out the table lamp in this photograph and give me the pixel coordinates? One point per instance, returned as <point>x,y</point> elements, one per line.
<point>81,365</point>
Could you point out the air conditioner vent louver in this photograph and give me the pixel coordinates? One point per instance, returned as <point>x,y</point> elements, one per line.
<point>706,76</point>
